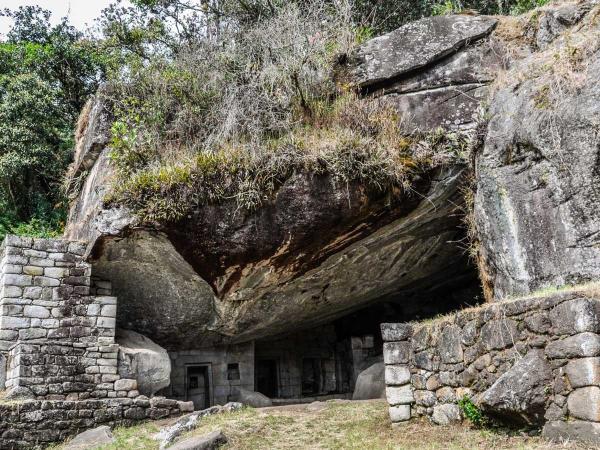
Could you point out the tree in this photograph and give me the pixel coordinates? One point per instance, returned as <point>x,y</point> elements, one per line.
<point>46,75</point>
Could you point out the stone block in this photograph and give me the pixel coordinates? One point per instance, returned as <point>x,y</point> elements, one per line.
<point>109,311</point>
<point>446,414</point>
<point>12,240</point>
<point>583,372</point>
<point>399,413</point>
<point>32,292</point>
<point>425,398</point>
<point>446,395</point>
<point>14,259</point>
<point>14,323</point>
<point>584,403</point>
<point>12,268</point>
<point>106,300</point>
<point>499,334</point>
<point>77,248</point>
<point>46,282</point>
<point>41,262</point>
<point>573,430</point>
<point>106,322</point>
<point>8,335</point>
<point>581,345</point>
<point>56,272</point>
<point>11,292</point>
<point>399,395</point>
<point>32,333</point>
<point>396,352</point>
<point>33,270</point>
<point>449,345</point>
<point>425,360</point>
<point>396,331</point>
<point>11,279</point>
<point>397,375</point>
<point>576,316</point>
<point>38,312</point>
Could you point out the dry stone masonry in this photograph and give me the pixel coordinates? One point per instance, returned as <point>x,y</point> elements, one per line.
<point>57,347</point>
<point>533,361</point>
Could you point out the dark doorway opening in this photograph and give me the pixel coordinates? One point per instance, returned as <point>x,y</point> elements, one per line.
<point>266,377</point>
<point>311,376</point>
<point>197,386</point>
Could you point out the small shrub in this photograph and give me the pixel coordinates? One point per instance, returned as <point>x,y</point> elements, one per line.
<point>472,413</point>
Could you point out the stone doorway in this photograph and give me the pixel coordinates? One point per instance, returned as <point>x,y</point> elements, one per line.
<point>198,386</point>
<point>267,380</point>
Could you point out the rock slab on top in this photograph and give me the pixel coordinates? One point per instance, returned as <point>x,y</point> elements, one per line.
<point>416,45</point>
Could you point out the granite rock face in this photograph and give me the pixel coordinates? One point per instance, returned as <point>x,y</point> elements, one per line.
<point>538,183</point>
<point>434,71</point>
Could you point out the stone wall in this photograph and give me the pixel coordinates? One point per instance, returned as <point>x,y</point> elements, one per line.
<point>41,422</point>
<point>57,341</point>
<point>530,362</point>
<point>217,360</point>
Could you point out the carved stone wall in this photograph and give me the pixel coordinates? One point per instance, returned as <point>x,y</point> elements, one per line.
<point>532,361</point>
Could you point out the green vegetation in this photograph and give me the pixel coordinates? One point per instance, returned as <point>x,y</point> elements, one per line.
<point>195,84</point>
<point>46,75</point>
<point>472,413</point>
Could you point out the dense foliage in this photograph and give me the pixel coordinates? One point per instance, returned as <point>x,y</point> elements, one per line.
<point>46,75</point>
<point>199,81</point>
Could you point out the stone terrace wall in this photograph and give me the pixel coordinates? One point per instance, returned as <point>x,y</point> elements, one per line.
<point>532,361</point>
<point>56,340</point>
<point>41,422</point>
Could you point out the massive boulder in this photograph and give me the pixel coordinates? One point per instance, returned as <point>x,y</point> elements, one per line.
<point>538,174</point>
<point>370,383</point>
<point>316,250</point>
<point>519,395</point>
<point>435,71</point>
<point>141,359</point>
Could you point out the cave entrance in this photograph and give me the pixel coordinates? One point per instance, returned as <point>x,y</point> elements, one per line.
<point>266,376</point>
<point>198,386</point>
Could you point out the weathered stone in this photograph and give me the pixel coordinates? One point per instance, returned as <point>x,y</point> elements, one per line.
<point>141,359</point>
<point>38,312</point>
<point>399,395</point>
<point>10,279</point>
<point>399,413</point>
<point>580,345</point>
<point>370,383</point>
<point>536,196</point>
<point>254,399</point>
<point>46,282</point>
<point>449,346</point>
<point>211,441</point>
<point>583,372</point>
<point>446,414</point>
<point>416,45</point>
<point>396,331</point>
<point>125,384</point>
<point>576,316</point>
<point>499,334</point>
<point>396,352</point>
<point>91,438</point>
<point>584,403</point>
<point>425,398</point>
<point>446,395</point>
<point>573,430</point>
<point>519,395</point>
<point>538,323</point>
<point>397,375</point>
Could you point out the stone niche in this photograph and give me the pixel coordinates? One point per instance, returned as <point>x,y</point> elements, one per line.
<point>528,362</point>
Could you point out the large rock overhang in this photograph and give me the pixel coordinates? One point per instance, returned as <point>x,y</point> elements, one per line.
<point>262,275</point>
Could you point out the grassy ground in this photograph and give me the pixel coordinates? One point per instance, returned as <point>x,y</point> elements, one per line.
<point>335,425</point>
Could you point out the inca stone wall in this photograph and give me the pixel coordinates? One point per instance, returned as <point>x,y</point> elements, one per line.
<point>530,362</point>
<point>41,422</point>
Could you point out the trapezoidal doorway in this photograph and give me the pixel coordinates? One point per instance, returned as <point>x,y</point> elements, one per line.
<point>197,386</point>
<point>267,378</point>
